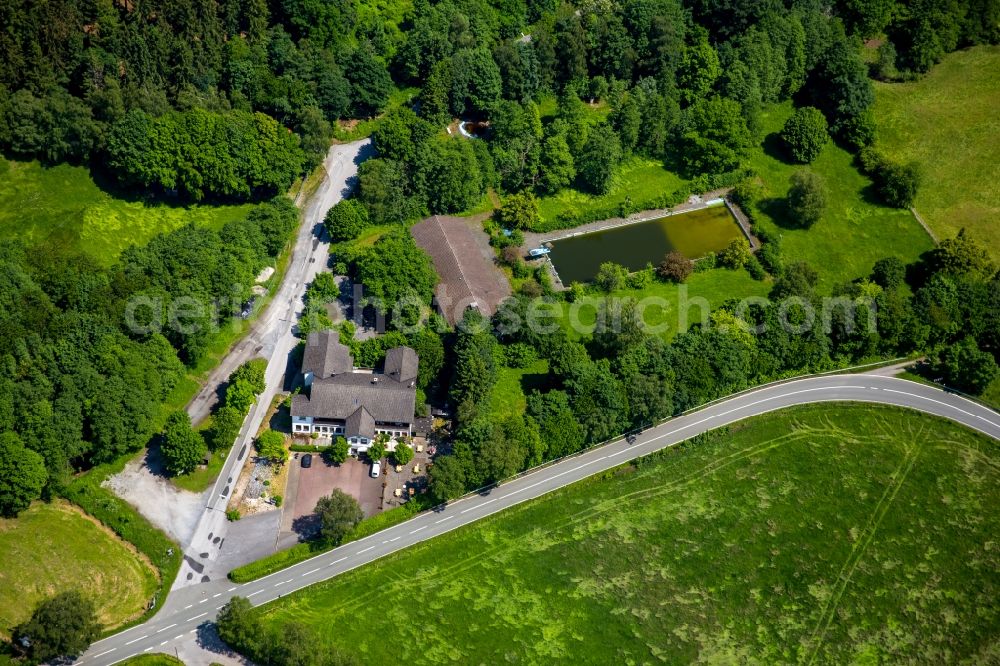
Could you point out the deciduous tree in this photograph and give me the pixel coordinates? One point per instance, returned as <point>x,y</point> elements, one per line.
<point>675,267</point>
<point>62,626</point>
<point>806,198</point>
<point>805,134</point>
<point>22,475</point>
<point>183,449</point>
<point>338,515</point>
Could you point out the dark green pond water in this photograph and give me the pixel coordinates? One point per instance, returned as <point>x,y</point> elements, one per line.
<point>693,234</point>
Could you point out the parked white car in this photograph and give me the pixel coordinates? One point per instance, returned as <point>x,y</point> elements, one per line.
<point>376,469</point>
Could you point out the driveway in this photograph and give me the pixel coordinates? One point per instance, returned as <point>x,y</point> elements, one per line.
<point>353,477</point>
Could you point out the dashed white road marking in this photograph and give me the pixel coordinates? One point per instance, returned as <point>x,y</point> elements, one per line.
<point>190,619</point>
<point>422,527</point>
<point>444,519</point>
<point>169,626</point>
<point>365,550</point>
<point>309,572</point>
<point>253,593</point>
<point>104,653</point>
<point>137,639</point>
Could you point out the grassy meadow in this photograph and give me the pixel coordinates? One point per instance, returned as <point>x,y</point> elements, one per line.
<point>855,231</point>
<point>508,397</point>
<point>638,179</point>
<point>669,308</point>
<point>948,122</point>
<point>63,207</point>
<point>52,548</point>
<point>828,534</point>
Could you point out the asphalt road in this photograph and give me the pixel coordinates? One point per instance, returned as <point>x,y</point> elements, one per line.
<point>191,607</point>
<point>271,338</point>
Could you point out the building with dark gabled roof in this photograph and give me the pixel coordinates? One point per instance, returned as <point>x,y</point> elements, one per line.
<point>356,404</point>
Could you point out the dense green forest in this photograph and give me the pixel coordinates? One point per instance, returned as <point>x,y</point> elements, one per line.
<point>234,99</point>
<point>183,96</point>
<point>90,354</point>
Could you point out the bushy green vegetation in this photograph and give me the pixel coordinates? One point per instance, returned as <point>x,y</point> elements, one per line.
<point>95,344</point>
<point>828,536</point>
<point>61,208</point>
<point>53,548</point>
<point>638,179</point>
<point>665,316</point>
<point>943,121</point>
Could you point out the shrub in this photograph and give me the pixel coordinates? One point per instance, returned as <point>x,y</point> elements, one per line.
<point>611,276</point>
<point>769,256</point>
<point>233,515</point>
<point>346,220</point>
<point>706,263</point>
<point>675,267</point>
<point>640,279</point>
<point>277,499</point>
<point>736,254</point>
<point>899,184</point>
<point>753,267</point>
<point>806,198</point>
<point>510,255</point>
<point>805,134</point>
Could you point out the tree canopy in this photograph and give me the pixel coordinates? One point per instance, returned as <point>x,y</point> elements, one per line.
<point>338,514</point>
<point>62,626</point>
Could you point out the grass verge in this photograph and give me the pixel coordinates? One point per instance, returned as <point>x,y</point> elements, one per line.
<point>947,122</point>
<point>833,534</point>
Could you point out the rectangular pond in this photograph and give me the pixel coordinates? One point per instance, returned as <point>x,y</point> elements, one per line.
<point>693,234</point>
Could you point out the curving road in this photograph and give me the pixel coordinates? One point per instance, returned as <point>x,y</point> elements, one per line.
<point>272,338</point>
<point>189,608</point>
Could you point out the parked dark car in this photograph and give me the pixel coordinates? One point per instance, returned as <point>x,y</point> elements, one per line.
<point>307,460</point>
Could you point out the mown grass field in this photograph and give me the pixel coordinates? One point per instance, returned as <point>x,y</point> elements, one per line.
<point>855,231</point>
<point>948,122</point>
<point>61,207</point>
<point>51,548</point>
<point>831,534</point>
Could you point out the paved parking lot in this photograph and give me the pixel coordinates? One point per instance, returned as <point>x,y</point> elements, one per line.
<point>317,481</point>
